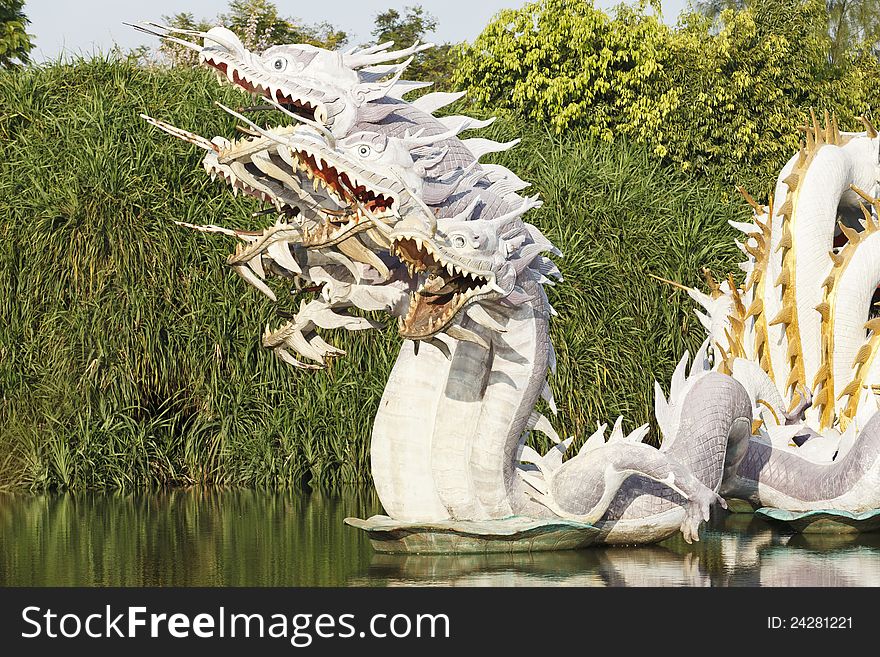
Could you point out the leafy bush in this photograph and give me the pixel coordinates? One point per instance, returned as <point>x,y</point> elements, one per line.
<point>129,353</point>
<point>720,98</point>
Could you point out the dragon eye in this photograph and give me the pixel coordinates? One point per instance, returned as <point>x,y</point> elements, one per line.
<point>458,241</point>
<point>363,150</point>
<point>279,64</point>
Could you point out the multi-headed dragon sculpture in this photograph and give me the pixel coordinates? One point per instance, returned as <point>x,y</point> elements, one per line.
<point>383,207</point>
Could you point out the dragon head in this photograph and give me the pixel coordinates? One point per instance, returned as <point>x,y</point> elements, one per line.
<point>462,262</point>
<point>329,88</point>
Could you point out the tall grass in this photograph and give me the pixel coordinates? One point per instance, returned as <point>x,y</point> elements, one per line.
<point>129,353</point>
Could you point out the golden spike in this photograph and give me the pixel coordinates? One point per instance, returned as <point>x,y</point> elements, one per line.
<point>817,130</point>
<point>851,389</point>
<point>784,277</point>
<point>672,283</point>
<point>802,155</point>
<point>829,135</point>
<point>837,258</point>
<point>756,308</point>
<point>736,324</point>
<point>793,378</point>
<point>838,138</point>
<point>824,310</point>
<point>766,365</point>
<point>756,424</point>
<point>725,360</point>
<point>785,241</point>
<point>821,397</point>
<point>757,208</point>
<point>811,142</point>
<point>786,208</point>
<point>711,282</point>
<point>792,180</point>
<point>754,251</point>
<point>863,354</point>
<point>784,317</point>
<point>869,128</point>
<point>765,226</point>
<point>870,199</point>
<point>852,236</point>
<point>736,294</point>
<point>870,226</point>
<point>769,408</point>
<point>822,375</point>
<point>873,325</point>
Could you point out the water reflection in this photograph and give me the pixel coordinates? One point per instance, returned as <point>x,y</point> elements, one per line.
<point>248,538</point>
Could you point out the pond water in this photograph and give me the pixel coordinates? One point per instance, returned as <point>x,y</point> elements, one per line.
<point>251,538</point>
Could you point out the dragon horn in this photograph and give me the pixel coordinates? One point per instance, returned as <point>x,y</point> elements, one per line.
<point>185,135</point>
<point>416,140</point>
<point>166,37</point>
<point>362,58</point>
<point>214,34</point>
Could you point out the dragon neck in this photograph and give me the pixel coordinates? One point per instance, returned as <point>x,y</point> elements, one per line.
<point>486,405</point>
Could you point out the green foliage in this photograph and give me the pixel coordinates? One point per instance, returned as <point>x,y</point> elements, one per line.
<point>15,42</point>
<point>257,23</point>
<point>851,24</point>
<point>435,65</point>
<point>718,97</point>
<point>261,26</point>
<point>129,354</point>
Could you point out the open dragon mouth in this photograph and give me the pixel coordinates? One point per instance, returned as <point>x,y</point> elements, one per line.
<point>341,205</point>
<point>227,74</point>
<point>445,289</point>
<point>358,206</point>
<point>238,185</point>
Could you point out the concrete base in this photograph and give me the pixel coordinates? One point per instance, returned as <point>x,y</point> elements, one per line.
<point>514,534</point>
<point>825,521</point>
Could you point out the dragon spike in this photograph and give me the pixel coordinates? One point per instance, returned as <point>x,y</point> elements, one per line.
<point>247,274</point>
<point>461,333</point>
<point>477,313</point>
<point>527,204</point>
<point>416,140</point>
<point>380,54</point>
<point>867,197</point>
<point>209,228</point>
<point>869,127</point>
<point>367,91</point>
<point>543,425</point>
<point>185,135</point>
<point>595,441</point>
<point>369,49</point>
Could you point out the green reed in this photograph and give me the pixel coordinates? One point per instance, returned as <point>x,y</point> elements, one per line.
<point>129,352</point>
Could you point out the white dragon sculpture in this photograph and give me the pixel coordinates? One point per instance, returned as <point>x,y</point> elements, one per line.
<point>383,207</point>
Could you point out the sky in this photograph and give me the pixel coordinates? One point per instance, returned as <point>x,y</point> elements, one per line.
<point>87,26</point>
